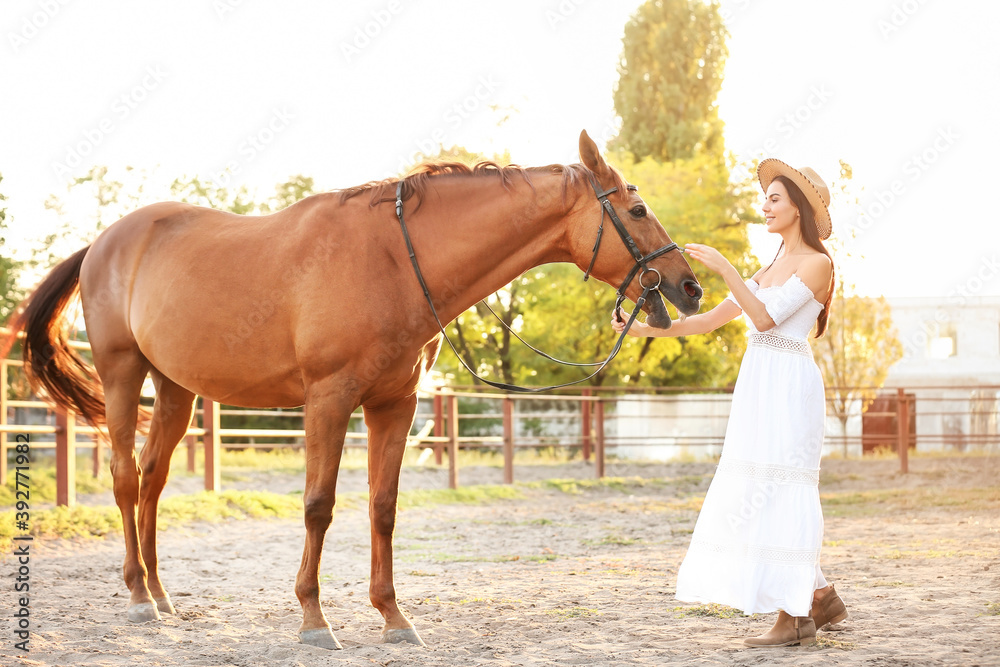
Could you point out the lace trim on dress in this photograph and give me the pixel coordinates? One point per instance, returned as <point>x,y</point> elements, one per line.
<point>769,472</point>
<point>780,344</point>
<point>756,553</point>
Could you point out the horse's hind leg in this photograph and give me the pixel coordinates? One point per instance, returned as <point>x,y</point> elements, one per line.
<point>388,427</point>
<point>171,417</point>
<point>123,370</point>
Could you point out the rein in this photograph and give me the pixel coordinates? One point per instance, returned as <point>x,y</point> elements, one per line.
<point>641,262</point>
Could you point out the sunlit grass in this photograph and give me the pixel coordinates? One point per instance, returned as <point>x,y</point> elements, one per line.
<point>81,522</point>
<point>878,583</point>
<point>931,554</point>
<point>469,495</point>
<point>441,557</point>
<point>41,480</point>
<point>884,501</point>
<point>890,454</point>
<point>614,540</point>
<point>96,522</point>
<point>624,485</point>
<point>825,641</point>
<point>574,612</point>
<point>708,610</point>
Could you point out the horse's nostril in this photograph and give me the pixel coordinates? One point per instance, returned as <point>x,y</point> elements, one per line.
<point>693,289</point>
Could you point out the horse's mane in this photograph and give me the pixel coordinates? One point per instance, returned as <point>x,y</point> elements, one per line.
<point>416,181</point>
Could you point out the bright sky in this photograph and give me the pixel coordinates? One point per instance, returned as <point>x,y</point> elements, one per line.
<point>906,91</point>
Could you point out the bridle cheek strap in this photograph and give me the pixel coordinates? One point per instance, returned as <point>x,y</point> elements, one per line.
<point>641,261</point>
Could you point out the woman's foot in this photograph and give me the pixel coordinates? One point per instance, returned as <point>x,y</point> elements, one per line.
<point>827,607</point>
<point>787,631</point>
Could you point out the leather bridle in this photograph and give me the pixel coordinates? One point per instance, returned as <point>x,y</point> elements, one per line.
<point>641,263</point>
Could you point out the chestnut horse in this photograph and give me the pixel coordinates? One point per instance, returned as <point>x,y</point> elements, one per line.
<point>316,305</point>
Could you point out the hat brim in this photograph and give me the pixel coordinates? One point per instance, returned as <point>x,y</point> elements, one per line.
<point>770,168</point>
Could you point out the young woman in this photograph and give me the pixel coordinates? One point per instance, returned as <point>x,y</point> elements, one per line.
<point>756,544</point>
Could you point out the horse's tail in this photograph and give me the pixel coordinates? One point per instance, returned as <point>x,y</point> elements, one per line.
<point>49,361</point>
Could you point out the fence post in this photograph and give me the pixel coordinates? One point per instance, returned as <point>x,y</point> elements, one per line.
<point>98,454</point>
<point>213,444</point>
<point>453,442</point>
<point>585,418</point>
<point>903,429</point>
<point>599,428</point>
<point>3,421</point>
<point>65,458</point>
<point>438,427</point>
<point>508,440</point>
<point>191,444</point>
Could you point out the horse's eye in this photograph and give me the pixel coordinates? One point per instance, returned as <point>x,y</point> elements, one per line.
<point>638,212</point>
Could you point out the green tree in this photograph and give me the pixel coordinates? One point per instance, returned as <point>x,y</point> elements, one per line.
<point>104,199</point>
<point>674,53</point>
<point>108,197</point>
<point>241,200</point>
<point>857,350</point>
<point>861,343</point>
<point>10,269</point>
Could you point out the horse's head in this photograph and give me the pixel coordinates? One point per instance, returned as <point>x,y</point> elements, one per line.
<point>648,261</point>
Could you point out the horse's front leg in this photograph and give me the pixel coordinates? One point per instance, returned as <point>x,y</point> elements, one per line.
<point>327,416</point>
<point>388,426</point>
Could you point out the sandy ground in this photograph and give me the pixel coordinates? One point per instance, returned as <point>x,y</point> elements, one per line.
<point>551,579</point>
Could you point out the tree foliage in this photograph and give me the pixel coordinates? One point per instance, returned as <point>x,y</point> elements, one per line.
<point>10,269</point>
<point>861,343</point>
<point>857,350</point>
<point>108,197</point>
<point>674,53</point>
<point>241,200</point>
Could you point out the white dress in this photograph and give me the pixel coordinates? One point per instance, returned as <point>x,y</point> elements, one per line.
<point>757,541</point>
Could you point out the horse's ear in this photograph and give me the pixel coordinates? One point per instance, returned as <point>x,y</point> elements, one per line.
<point>591,156</point>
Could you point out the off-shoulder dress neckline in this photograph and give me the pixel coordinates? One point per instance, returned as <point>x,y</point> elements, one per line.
<point>794,276</point>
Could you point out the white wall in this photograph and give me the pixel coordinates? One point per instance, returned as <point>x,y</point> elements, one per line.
<point>973,323</point>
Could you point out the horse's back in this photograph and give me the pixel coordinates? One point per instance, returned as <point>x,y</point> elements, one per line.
<point>212,299</point>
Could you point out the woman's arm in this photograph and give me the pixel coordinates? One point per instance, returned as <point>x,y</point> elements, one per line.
<point>812,271</point>
<point>696,324</point>
<point>751,305</point>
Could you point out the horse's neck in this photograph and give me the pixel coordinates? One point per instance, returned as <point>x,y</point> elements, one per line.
<point>488,236</point>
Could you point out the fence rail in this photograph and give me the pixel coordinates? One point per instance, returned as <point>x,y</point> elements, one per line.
<point>592,420</point>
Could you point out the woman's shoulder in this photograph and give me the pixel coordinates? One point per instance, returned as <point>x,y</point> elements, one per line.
<point>815,270</point>
<point>814,262</point>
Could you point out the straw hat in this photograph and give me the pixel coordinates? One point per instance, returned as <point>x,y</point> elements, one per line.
<point>809,182</point>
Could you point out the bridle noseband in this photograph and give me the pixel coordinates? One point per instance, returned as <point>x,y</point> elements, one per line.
<point>641,262</point>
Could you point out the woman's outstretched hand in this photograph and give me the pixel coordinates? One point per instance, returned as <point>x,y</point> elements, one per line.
<point>708,256</point>
<point>638,329</point>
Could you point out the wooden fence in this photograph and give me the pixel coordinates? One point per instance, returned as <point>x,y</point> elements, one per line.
<point>441,430</point>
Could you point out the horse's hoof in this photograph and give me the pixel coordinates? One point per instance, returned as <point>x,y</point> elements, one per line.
<point>322,637</point>
<point>164,606</point>
<point>401,636</point>
<point>143,613</point>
